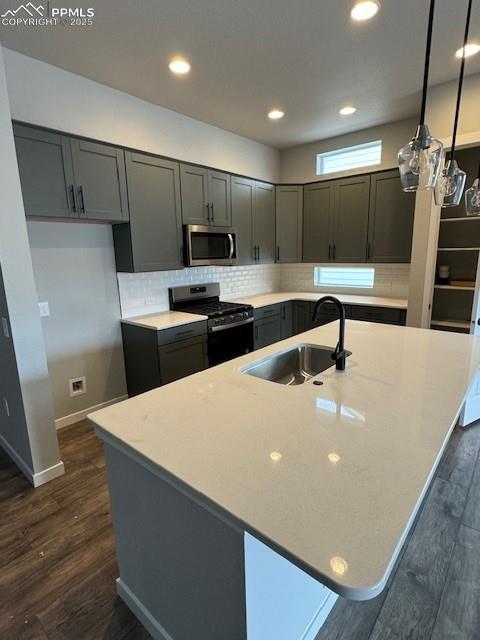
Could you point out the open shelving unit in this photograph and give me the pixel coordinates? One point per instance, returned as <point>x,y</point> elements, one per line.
<point>454,304</point>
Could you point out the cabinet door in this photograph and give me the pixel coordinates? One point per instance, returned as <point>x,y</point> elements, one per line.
<point>267,331</point>
<point>390,223</point>
<point>318,202</point>
<point>264,222</point>
<point>288,205</point>
<point>302,316</point>
<point>195,202</point>
<point>219,192</point>
<point>242,218</point>
<point>155,212</point>
<point>181,359</point>
<point>286,320</point>
<point>100,182</point>
<point>46,172</point>
<point>351,219</point>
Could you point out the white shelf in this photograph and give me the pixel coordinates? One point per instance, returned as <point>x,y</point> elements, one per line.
<point>460,219</point>
<point>450,287</point>
<point>451,324</point>
<point>459,248</point>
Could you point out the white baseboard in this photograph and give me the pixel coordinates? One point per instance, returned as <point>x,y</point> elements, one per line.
<point>66,421</point>
<point>36,479</point>
<point>152,625</point>
<point>48,474</point>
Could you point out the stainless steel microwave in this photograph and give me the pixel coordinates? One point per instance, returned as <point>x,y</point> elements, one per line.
<point>209,245</point>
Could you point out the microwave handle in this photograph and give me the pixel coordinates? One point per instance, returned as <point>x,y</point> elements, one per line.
<point>232,246</point>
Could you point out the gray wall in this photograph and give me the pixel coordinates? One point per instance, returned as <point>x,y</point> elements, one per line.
<point>36,448</point>
<point>74,269</point>
<point>298,164</point>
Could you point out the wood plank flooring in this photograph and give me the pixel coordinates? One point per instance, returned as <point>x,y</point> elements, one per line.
<point>58,567</point>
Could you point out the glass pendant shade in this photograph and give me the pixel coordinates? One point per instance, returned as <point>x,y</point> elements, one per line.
<point>472,199</point>
<point>420,160</point>
<point>450,185</point>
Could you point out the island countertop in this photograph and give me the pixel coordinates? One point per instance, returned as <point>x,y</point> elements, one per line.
<point>356,455</point>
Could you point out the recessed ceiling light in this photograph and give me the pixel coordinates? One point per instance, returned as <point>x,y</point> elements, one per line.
<point>347,110</point>
<point>470,50</point>
<point>179,66</point>
<point>364,10</point>
<point>275,114</point>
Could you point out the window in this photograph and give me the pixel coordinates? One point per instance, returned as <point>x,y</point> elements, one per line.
<point>353,278</point>
<point>362,155</point>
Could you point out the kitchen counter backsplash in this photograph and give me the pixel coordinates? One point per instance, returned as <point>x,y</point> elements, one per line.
<point>144,293</point>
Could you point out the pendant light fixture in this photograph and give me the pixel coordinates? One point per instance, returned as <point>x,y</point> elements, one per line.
<point>420,160</point>
<point>472,197</point>
<point>451,182</point>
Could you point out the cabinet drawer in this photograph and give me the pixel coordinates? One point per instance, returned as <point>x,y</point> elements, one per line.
<point>182,358</point>
<point>183,332</point>
<point>267,312</point>
<point>377,314</point>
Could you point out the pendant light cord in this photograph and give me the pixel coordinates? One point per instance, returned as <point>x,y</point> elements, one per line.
<point>460,81</point>
<point>427,61</point>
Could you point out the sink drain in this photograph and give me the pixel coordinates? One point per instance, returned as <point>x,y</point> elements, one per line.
<point>318,383</point>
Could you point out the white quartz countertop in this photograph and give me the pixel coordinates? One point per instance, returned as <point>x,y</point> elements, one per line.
<point>168,319</point>
<point>357,453</point>
<point>275,298</point>
<point>164,319</point>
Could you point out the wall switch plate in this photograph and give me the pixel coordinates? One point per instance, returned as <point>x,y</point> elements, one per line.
<point>77,386</point>
<point>44,309</point>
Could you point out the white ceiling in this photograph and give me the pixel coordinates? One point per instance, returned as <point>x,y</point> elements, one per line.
<point>307,58</point>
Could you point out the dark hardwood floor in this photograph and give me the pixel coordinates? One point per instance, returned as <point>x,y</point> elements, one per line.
<point>58,568</point>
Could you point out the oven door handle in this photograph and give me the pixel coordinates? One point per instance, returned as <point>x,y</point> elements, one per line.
<point>232,246</point>
<point>224,327</point>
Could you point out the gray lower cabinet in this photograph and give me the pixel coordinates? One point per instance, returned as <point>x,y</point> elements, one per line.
<point>390,225</point>
<point>268,325</point>
<point>46,172</point>
<point>386,315</point>
<point>286,313</point>
<point>264,222</point>
<point>289,207</point>
<point>302,316</point>
<point>154,358</point>
<point>350,225</point>
<point>243,190</point>
<point>206,196</point>
<point>318,211</point>
<point>152,240</point>
<point>100,182</point>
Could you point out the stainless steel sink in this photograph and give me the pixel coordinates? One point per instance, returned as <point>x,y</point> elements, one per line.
<point>295,366</point>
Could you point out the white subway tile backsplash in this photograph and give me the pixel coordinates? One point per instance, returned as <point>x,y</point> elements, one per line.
<point>143,293</point>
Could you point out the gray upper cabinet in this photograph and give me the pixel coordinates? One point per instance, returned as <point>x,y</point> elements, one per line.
<point>289,206</point>
<point>243,191</point>
<point>318,211</point>
<point>264,222</point>
<point>152,241</point>
<point>390,225</point>
<point>46,172</point>
<point>195,203</point>
<point>206,196</point>
<point>220,197</point>
<point>100,183</point>
<point>351,219</point>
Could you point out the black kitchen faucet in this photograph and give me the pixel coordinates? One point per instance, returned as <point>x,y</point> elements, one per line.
<point>339,354</point>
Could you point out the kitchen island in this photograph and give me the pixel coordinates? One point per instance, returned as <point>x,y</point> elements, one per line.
<point>242,506</point>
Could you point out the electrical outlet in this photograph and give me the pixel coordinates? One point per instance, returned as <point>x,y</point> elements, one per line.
<point>77,386</point>
<point>44,309</point>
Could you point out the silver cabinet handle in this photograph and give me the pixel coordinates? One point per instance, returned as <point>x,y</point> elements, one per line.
<point>208,211</point>
<point>232,246</point>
